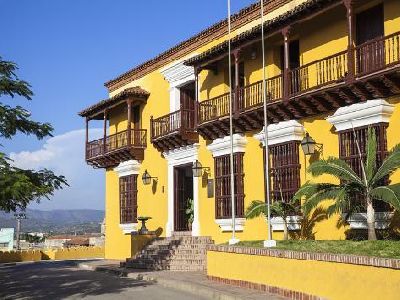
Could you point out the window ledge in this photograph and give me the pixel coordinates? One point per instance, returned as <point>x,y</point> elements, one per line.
<point>226,224</point>
<point>359,220</point>
<point>128,228</point>
<point>293,223</point>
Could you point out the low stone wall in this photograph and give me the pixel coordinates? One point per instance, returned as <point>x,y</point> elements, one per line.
<point>52,254</point>
<point>17,256</point>
<point>303,275</point>
<point>73,253</point>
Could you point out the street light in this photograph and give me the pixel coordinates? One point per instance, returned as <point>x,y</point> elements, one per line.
<point>146,178</point>
<point>197,168</point>
<point>309,145</point>
<point>19,217</point>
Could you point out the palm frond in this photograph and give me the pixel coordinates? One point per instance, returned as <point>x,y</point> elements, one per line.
<point>389,165</point>
<point>335,167</point>
<point>256,209</point>
<point>370,164</point>
<point>390,194</point>
<point>321,193</point>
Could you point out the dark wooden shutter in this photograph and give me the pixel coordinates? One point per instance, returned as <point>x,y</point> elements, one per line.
<point>128,199</point>
<point>223,186</point>
<point>284,170</point>
<point>348,152</point>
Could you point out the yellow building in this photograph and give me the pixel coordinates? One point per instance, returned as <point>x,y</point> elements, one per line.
<point>331,66</point>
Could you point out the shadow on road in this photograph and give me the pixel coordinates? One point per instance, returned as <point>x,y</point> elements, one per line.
<point>56,280</point>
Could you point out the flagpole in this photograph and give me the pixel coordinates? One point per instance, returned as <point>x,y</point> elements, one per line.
<point>233,240</point>
<point>269,242</point>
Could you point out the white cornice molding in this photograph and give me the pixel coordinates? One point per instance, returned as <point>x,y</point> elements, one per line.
<point>359,220</point>
<point>129,227</point>
<point>361,114</point>
<point>282,132</point>
<point>222,146</point>
<point>182,155</point>
<point>293,223</point>
<point>126,168</point>
<point>178,74</point>
<point>226,224</point>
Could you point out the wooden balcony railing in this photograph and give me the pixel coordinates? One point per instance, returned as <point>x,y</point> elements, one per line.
<point>117,141</point>
<point>318,73</point>
<point>368,58</point>
<point>214,108</point>
<point>251,95</point>
<point>377,54</point>
<point>180,120</point>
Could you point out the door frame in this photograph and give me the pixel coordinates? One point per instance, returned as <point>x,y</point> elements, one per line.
<point>175,158</point>
<point>178,171</point>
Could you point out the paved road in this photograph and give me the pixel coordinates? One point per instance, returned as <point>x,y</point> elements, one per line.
<point>63,280</point>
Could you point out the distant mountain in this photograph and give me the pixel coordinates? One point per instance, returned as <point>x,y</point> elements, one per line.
<point>57,221</point>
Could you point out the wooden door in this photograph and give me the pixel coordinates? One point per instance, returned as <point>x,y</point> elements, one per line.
<point>179,201</point>
<point>369,28</point>
<point>187,98</point>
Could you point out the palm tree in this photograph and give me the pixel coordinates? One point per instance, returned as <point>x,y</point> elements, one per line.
<point>278,209</point>
<point>369,185</point>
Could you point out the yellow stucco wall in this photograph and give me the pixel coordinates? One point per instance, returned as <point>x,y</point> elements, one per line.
<point>52,254</point>
<point>319,38</point>
<point>328,280</point>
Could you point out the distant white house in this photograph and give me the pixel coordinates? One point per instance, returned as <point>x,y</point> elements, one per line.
<point>6,239</point>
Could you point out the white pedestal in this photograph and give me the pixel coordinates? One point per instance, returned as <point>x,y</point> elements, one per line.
<point>269,244</point>
<point>233,241</point>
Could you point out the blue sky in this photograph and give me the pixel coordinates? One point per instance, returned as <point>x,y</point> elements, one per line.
<point>67,49</point>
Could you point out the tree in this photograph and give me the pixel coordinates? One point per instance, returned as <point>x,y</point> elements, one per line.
<point>19,187</point>
<point>278,209</point>
<point>370,185</point>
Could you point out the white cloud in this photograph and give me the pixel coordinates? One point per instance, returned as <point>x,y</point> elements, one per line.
<point>65,155</point>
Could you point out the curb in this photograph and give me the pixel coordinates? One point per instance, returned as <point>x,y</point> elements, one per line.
<point>191,288</point>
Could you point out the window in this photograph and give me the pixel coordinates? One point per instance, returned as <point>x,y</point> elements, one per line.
<point>4,245</point>
<point>348,151</point>
<point>285,170</point>
<point>223,186</point>
<point>128,198</point>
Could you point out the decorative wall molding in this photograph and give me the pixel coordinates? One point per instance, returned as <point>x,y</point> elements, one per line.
<point>177,75</point>
<point>182,155</point>
<point>177,157</point>
<point>282,132</point>
<point>292,221</point>
<point>178,72</point>
<point>361,114</point>
<point>129,227</point>
<point>359,220</point>
<point>126,168</point>
<point>226,224</point>
<point>222,146</point>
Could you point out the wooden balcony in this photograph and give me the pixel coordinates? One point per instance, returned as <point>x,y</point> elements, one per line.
<point>117,148</point>
<point>368,71</point>
<point>174,130</point>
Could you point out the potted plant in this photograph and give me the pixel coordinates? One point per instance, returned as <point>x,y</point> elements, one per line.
<point>190,212</point>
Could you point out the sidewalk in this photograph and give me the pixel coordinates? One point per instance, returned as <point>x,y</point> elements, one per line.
<point>192,282</point>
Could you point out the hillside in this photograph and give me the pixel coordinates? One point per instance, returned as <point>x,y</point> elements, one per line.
<point>57,221</point>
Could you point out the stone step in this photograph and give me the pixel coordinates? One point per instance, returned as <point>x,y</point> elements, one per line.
<point>180,257</point>
<point>165,266</point>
